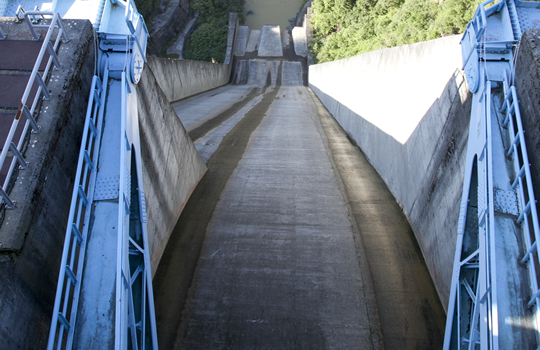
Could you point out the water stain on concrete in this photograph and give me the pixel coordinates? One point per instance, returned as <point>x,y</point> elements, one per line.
<point>176,270</point>
<point>203,129</point>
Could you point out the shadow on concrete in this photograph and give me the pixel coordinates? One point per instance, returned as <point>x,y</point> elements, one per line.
<point>399,261</point>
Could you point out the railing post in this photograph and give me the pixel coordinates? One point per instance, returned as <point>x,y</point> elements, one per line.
<point>53,55</point>
<point>22,163</point>
<point>10,204</point>
<point>36,128</point>
<point>43,87</point>
<point>31,27</point>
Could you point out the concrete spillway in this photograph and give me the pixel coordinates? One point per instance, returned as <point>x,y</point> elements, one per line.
<point>291,239</point>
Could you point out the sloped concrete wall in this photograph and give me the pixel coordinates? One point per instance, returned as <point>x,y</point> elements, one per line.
<point>408,109</point>
<point>172,166</point>
<point>182,78</point>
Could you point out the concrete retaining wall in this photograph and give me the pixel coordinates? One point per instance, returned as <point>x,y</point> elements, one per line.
<point>172,166</point>
<point>36,228</point>
<point>182,78</point>
<point>408,108</point>
<point>528,89</point>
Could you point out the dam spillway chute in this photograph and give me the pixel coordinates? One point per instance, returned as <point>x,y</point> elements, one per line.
<point>494,293</point>
<point>104,296</point>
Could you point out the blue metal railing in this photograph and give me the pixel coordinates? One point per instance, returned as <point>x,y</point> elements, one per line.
<point>72,263</point>
<point>523,182</point>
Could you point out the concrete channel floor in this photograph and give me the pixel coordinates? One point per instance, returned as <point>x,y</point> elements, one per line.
<point>281,262</point>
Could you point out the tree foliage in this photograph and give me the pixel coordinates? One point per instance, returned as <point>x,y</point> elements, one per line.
<point>344,28</point>
<point>209,41</point>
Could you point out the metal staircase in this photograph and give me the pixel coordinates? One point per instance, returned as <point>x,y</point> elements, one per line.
<point>498,221</point>
<point>104,296</point>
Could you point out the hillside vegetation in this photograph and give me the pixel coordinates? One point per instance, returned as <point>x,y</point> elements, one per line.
<point>209,41</point>
<point>344,28</point>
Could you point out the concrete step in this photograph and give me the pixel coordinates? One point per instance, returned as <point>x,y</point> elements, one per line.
<point>253,42</point>
<point>270,42</point>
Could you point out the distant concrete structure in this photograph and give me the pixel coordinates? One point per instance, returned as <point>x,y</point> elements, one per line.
<point>242,37</point>
<point>253,42</point>
<point>300,41</point>
<point>180,43</point>
<point>270,42</point>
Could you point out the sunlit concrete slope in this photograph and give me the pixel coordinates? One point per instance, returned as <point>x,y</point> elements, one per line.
<point>408,109</point>
<point>269,252</point>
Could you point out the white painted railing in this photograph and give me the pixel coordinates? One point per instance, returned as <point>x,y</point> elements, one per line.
<point>35,77</point>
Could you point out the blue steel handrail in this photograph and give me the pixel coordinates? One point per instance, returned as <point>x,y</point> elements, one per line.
<point>479,319</point>
<point>125,315</point>
<point>35,76</point>
<point>523,182</point>
<point>79,222</point>
<point>137,27</point>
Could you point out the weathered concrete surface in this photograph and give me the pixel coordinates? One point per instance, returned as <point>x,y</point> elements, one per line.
<point>528,90</point>
<point>278,266</point>
<point>37,227</point>
<point>292,74</point>
<point>270,42</point>
<point>253,42</point>
<point>408,110</point>
<point>165,26</point>
<point>181,78</point>
<point>300,41</point>
<point>410,312</point>
<point>171,165</point>
<point>241,40</point>
<point>215,102</point>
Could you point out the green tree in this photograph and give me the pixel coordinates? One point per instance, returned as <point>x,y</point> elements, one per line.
<point>344,28</point>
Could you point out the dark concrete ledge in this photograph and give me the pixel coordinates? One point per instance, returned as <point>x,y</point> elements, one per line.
<point>33,233</point>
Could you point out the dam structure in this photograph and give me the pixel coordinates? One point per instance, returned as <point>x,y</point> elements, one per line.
<point>264,202</point>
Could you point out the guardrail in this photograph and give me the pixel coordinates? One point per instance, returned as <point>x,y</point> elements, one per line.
<point>35,76</point>
<point>523,182</point>
<point>67,300</point>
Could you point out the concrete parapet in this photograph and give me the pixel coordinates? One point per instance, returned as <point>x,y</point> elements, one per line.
<point>408,108</point>
<point>182,78</point>
<point>171,165</point>
<point>35,230</point>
